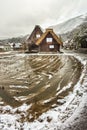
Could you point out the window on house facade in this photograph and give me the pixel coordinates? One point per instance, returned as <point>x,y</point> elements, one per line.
<point>37,35</point>
<point>51,46</point>
<point>49,39</point>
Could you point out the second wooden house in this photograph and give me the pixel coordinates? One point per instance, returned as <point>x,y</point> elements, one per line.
<point>35,35</point>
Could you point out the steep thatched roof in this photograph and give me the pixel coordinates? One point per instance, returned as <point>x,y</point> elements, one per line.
<point>32,38</point>
<point>45,34</point>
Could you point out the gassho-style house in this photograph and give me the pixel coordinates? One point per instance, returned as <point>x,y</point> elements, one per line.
<point>43,42</point>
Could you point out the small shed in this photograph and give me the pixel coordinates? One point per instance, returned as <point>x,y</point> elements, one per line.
<point>32,39</point>
<point>17,46</point>
<point>5,47</point>
<point>49,42</point>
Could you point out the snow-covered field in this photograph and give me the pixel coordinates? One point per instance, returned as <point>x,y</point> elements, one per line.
<point>41,92</point>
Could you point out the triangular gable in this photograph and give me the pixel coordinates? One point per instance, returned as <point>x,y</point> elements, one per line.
<point>45,34</point>
<point>37,27</point>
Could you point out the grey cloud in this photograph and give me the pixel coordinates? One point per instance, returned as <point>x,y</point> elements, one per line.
<point>19,16</point>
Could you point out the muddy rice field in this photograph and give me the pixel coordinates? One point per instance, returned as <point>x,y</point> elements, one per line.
<point>40,81</point>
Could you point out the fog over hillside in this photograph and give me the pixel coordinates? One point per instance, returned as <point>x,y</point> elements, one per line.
<point>70,24</point>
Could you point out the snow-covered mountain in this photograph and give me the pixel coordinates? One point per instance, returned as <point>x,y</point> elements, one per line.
<point>69,25</point>
<point>78,34</point>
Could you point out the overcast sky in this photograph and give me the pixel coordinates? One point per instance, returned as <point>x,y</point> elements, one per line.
<point>18,17</point>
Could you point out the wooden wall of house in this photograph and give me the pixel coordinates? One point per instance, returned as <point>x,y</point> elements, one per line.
<point>32,39</point>
<point>44,46</point>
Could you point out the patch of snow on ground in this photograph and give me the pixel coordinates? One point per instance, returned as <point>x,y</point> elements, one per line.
<point>17,86</point>
<point>9,122</point>
<point>64,88</point>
